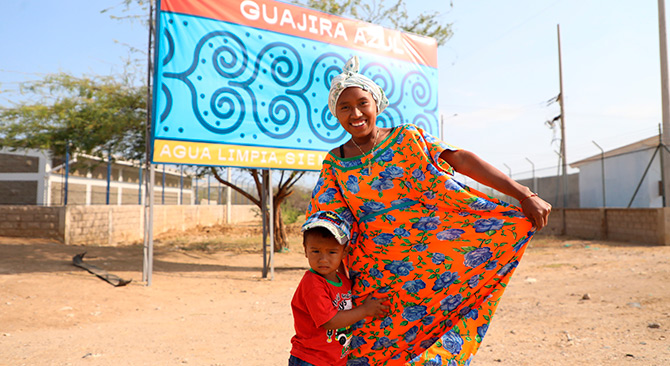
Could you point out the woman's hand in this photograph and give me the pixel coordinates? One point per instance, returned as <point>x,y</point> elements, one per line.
<point>536,210</point>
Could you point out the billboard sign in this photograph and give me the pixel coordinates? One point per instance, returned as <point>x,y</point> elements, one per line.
<point>244,83</point>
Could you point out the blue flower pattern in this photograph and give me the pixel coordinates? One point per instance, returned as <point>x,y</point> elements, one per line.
<point>445,279</point>
<point>401,232</point>
<point>414,286</point>
<point>413,313</point>
<point>383,342</point>
<point>352,184</point>
<point>371,207</point>
<point>438,258</point>
<point>387,156</point>
<point>392,172</point>
<point>399,268</point>
<point>481,204</point>
<point>328,196</point>
<point>382,185</point>
<point>450,234</point>
<point>452,342</point>
<point>426,223</point>
<point>439,237</point>
<point>419,175</point>
<point>484,225</point>
<point>411,334</point>
<point>477,257</point>
<point>374,272</point>
<point>384,239</point>
<point>451,302</point>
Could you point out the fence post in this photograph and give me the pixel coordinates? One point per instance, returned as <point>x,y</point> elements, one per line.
<point>181,184</point>
<point>602,171</point>
<point>67,171</point>
<point>163,193</point>
<point>109,176</point>
<point>228,197</point>
<point>534,178</point>
<point>139,194</point>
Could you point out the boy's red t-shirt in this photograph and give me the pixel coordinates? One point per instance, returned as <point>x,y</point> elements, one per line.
<point>315,302</point>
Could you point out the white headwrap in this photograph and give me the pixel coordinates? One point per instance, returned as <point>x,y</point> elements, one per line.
<point>351,78</point>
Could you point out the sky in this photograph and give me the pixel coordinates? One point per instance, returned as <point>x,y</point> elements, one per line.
<point>496,74</point>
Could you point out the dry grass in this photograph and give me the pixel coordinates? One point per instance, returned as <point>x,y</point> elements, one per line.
<point>238,238</point>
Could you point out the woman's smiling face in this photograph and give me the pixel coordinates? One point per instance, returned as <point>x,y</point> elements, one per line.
<point>357,111</point>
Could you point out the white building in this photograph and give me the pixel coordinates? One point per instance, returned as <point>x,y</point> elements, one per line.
<point>624,172</point>
<point>33,177</point>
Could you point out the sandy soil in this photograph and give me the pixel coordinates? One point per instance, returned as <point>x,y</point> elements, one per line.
<point>570,303</point>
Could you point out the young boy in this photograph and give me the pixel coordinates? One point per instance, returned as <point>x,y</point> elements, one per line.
<point>322,307</point>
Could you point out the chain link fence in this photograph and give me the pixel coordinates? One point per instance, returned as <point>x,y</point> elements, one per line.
<point>630,176</point>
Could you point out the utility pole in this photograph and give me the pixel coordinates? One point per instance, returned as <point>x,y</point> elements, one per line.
<point>561,97</point>
<point>665,95</point>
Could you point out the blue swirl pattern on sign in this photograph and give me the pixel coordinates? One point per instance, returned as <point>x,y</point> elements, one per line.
<point>226,83</point>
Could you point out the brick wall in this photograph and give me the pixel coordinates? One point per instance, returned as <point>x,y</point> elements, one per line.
<point>110,225</point>
<point>639,225</point>
<point>555,225</point>
<point>11,163</point>
<point>18,192</point>
<point>31,221</point>
<point>87,224</point>
<point>643,225</point>
<point>113,225</point>
<point>586,223</point>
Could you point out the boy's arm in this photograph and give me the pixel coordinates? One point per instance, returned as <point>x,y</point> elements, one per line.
<point>344,318</point>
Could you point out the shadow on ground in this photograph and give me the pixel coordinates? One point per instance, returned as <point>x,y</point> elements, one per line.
<point>20,255</point>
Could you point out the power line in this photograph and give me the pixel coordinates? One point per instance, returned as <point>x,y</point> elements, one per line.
<point>508,31</point>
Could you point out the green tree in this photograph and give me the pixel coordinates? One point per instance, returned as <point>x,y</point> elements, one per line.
<point>284,189</point>
<point>107,115</point>
<point>392,14</point>
<point>374,11</point>
<point>94,115</point>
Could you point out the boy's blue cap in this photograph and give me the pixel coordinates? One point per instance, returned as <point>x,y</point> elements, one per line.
<point>340,228</point>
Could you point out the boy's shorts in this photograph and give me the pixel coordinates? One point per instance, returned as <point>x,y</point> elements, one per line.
<point>295,361</point>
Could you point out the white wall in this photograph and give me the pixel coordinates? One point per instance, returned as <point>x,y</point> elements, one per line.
<point>622,175</point>
<point>39,176</point>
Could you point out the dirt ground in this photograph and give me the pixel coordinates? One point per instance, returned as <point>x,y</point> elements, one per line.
<point>571,302</point>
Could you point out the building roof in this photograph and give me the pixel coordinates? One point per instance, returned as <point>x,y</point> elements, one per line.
<point>75,156</point>
<point>648,143</point>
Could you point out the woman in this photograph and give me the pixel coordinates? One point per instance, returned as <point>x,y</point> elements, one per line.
<point>440,250</point>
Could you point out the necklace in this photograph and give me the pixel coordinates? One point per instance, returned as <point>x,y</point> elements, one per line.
<point>373,149</point>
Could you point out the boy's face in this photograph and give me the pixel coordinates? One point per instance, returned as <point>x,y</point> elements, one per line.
<point>324,255</point>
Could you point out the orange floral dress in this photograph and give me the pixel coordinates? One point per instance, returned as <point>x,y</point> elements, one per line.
<point>440,250</point>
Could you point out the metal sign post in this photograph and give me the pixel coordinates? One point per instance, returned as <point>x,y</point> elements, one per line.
<point>264,217</point>
<point>268,224</point>
<point>272,223</point>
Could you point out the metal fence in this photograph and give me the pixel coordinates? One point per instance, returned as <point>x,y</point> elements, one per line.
<point>630,176</point>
